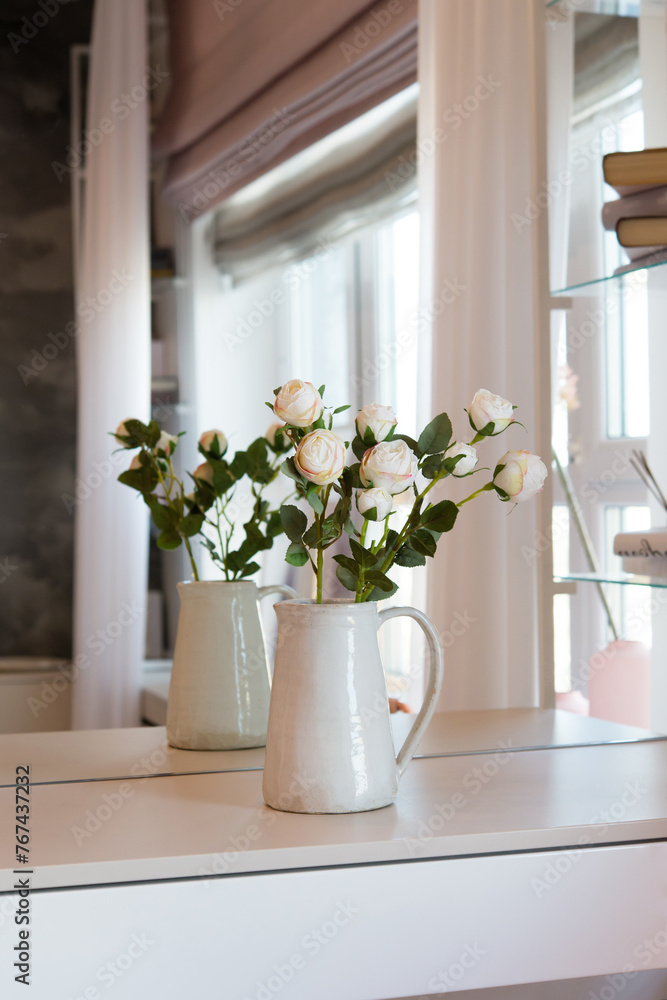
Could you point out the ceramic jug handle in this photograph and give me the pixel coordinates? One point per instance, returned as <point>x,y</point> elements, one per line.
<point>278,588</point>
<point>433,688</point>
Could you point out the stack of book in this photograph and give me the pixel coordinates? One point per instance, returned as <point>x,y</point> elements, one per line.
<point>639,216</point>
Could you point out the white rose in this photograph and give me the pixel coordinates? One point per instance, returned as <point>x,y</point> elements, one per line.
<point>121,432</point>
<point>378,419</point>
<point>487,408</point>
<point>390,465</point>
<point>298,403</point>
<point>204,473</point>
<point>321,457</point>
<point>213,443</point>
<point>375,500</point>
<point>166,444</point>
<point>465,464</point>
<point>523,475</point>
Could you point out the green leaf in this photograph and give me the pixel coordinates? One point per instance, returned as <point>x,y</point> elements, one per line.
<point>358,447</point>
<point>440,517</point>
<point>369,437</point>
<point>289,469</point>
<point>406,556</point>
<point>351,477</point>
<point>257,464</point>
<point>363,556</point>
<point>169,539</point>
<point>250,569</point>
<point>341,409</point>
<point>164,517</point>
<point>321,390</point>
<point>223,478</point>
<point>436,436</point>
<point>144,480</point>
<point>239,465</point>
<point>275,393</point>
<point>296,555</point>
<point>190,525</point>
<point>379,580</point>
<point>347,578</point>
<point>349,564</point>
<point>377,594</point>
<point>424,542</point>
<point>431,466</point>
<point>313,498</point>
<point>349,527</point>
<point>294,523</point>
<point>274,526</point>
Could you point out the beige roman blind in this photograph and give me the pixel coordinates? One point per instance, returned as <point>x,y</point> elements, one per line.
<point>256,81</point>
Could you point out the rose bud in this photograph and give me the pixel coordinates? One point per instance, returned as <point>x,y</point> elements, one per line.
<point>465,464</point>
<point>136,463</point>
<point>166,445</point>
<point>213,443</point>
<point>122,432</point>
<point>298,403</point>
<point>522,476</point>
<point>378,420</point>
<point>277,439</point>
<point>320,457</point>
<point>390,466</point>
<point>204,473</point>
<point>377,500</point>
<point>489,409</point>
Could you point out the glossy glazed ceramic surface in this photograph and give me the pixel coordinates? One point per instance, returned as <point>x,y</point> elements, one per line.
<point>329,745</point>
<point>220,688</point>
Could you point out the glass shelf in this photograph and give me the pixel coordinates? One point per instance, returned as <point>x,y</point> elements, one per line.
<point>622,282</point>
<point>623,579</point>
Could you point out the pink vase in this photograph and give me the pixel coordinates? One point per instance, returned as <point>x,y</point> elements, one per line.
<point>619,685</point>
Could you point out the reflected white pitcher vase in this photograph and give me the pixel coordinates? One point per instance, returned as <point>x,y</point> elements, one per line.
<point>329,745</point>
<point>220,686</point>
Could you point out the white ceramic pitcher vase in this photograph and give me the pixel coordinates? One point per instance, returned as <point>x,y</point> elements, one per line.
<point>220,687</point>
<point>329,745</point>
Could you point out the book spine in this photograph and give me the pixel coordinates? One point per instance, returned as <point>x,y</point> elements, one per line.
<point>651,202</point>
<point>637,544</point>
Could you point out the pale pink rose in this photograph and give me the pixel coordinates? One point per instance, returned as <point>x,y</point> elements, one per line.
<point>465,464</point>
<point>298,403</point>
<point>390,466</point>
<point>378,419</point>
<point>487,408</point>
<point>522,475</point>
<point>320,457</point>
<point>377,500</point>
<point>204,473</point>
<point>213,443</point>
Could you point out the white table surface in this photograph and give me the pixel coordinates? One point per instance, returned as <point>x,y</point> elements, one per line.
<point>144,752</point>
<point>186,825</point>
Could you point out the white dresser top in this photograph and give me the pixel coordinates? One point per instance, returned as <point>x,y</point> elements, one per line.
<point>180,825</point>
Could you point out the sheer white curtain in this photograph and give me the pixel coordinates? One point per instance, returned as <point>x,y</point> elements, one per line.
<point>482,132</point>
<point>113,344</point>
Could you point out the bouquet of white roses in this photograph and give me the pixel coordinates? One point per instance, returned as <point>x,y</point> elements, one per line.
<point>388,464</point>
<point>212,508</point>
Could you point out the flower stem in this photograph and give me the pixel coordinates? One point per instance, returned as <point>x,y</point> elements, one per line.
<point>483,489</point>
<point>174,507</point>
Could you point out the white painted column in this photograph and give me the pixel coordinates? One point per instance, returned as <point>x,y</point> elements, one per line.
<point>483,195</point>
